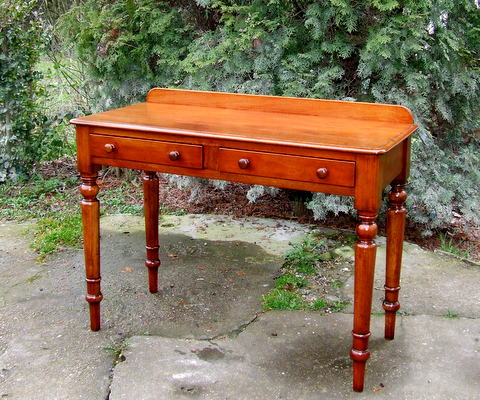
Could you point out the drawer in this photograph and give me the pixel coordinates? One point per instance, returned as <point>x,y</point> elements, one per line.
<point>148,151</point>
<point>283,166</point>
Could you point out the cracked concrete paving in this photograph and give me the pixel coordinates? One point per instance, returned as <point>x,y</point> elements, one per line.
<point>303,355</point>
<point>214,270</point>
<point>207,288</point>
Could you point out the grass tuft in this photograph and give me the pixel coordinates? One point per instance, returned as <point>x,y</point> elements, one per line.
<point>301,263</point>
<point>54,233</point>
<point>450,314</point>
<point>449,246</point>
<point>281,299</point>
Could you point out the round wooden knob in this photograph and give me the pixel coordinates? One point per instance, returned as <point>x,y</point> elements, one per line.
<point>174,155</point>
<point>244,163</point>
<point>322,173</point>
<point>110,148</point>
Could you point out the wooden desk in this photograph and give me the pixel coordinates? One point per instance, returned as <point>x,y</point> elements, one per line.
<point>344,148</point>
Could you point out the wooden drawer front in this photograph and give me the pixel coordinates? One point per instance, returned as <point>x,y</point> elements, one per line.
<point>149,151</point>
<point>298,168</point>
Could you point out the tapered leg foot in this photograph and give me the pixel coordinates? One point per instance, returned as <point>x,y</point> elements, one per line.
<point>152,266</point>
<point>365,252</point>
<point>395,233</point>
<point>94,315</point>
<point>150,207</point>
<point>359,358</point>
<point>91,246</point>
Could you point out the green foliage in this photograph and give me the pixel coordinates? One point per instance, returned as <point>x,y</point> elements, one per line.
<point>280,299</point>
<point>39,198</point>
<point>450,314</point>
<point>336,283</point>
<point>128,47</point>
<point>449,246</point>
<point>419,53</point>
<point>444,182</point>
<point>54,233</point>
<point>304,255</point>
<point>27,133</point>
<point>114,201</point>
<point>301,262</point>
<point>117,347</point>
<point>21,41</point>
<point>35,198</point>
<point>290,282</point>
<point>331,306</point>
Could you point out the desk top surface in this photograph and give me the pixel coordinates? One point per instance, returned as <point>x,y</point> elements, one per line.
<point>312,123</point>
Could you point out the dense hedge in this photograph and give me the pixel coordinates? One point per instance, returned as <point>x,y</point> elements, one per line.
<point>419,53</point>
<point>21,42</point>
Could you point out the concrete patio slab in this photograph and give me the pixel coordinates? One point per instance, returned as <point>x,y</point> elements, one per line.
<point>303,355</point>
<point>213,274</point>
<point>431,283</point>
<point>207,288</point>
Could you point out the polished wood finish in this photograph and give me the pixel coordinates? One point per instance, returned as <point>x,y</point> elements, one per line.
<point>337,147</point>
<point>150,209</point>
<point>365,252</point>
<point>283,105</point>
<point>342,173</point>
<point>163,153</point>
<point>322,124</point>
<point>91,245</point>
<point>396,215</point>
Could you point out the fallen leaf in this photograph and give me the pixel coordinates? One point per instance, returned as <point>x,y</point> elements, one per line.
<point>241,273</point>
<point>171,255</point>
<point>127,269</point>
<point>201,268</point>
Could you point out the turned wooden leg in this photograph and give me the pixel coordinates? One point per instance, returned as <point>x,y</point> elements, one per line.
<point>365,251</point>
<point>150,207</point>
<point>395,232</point>
<point>91,245</point>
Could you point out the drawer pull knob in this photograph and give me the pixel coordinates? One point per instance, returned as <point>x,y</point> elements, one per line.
<point>244,163</point>
<point>174,155</point>
<point>110,148</point>
<point>322,173</point>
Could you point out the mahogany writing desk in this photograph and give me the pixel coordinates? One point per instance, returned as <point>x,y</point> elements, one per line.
<point>344,148</point>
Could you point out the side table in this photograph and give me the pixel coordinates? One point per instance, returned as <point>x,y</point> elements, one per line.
<point>344,148</point>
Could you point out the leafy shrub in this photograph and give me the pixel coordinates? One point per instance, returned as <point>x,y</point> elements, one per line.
<point>127,46</point>
<point>419,53</point>
<point>21,41</point>
<point>442,184</point>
